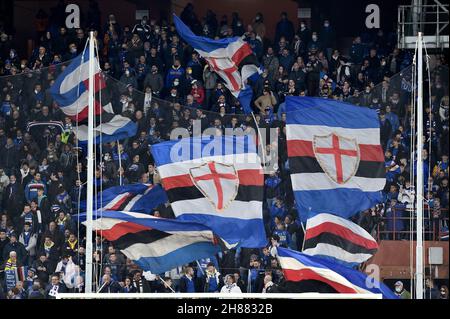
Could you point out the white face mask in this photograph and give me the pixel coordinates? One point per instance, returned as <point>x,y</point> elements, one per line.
<point>314,37</point>
<point>398,288</point>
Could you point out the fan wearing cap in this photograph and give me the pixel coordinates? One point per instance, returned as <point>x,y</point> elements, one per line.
<point>30,278</point>
<point>400,291</point>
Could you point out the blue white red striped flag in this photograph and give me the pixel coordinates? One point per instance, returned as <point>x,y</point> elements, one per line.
<point>138,198</point>
<point>156,244</point>
<point>217,182</point>
<point>297,266</point>
<point>231,58</point>
<point>71,93</point>
<point>339,239</point>
<point>335,157</point>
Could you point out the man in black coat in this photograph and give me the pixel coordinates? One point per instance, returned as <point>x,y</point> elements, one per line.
<point>13,198</point>
<point>55,287</point>
<point>15,245</point>
<point>141,284</point>
<point>109,285</point>
<point>3,242</point>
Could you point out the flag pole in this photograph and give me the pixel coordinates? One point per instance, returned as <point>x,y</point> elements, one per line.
<point>90,167</point>
<point>419,197</point>
<point>120,163</point>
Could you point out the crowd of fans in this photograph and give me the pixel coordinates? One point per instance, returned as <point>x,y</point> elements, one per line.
<point>161,83</point>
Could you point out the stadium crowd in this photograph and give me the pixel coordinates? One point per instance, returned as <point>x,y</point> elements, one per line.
<point>161,83</point>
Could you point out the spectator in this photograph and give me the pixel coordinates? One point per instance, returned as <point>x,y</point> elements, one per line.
<point>401,292</point>
<point>284,28</point>
<point>187,283</point>
<point>212,281</point>
<point>29,240</point>
<point>55,287</point>
<point>444,292</point>
<point>431,292</point>
<point>230,285</point>
<point>18,248</point>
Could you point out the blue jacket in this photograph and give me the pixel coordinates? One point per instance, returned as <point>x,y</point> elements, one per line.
<point>285,237</point>
<point>32,188</point>
<point>272,183</point>
<point>173,74</point>
<point>276,211</point>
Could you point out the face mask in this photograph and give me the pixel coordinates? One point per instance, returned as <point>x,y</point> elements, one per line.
<point>239,24</point>
<point>22,66</point>
<point>326,25</point>
<point>302,26</point>
<point>127,72</point>
<point>173,94</point>
<point>398,289</point>
<point>314,38</point>
<point>12,55</point>
<point>73,50</point>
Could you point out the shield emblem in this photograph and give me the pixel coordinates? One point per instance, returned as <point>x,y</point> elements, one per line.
<point>218,182</point>
<point>338,156</point>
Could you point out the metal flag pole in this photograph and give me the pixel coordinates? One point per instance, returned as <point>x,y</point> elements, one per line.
<point>419,197</point>
<point>120,163</point>
<point>90,167</point>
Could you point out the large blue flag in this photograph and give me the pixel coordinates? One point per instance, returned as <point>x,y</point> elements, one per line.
<point>217,182</point>
<point>335,157</point>
<point>231,58</point>
<point>297,266</point>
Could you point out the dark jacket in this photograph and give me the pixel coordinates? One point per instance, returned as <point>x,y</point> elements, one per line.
<point>18,248</point>
<point>144,284</point>
<point>184,284</point>
<point>111,287</point>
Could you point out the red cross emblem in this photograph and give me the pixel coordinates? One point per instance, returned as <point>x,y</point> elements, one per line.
<point>338,156</point>
<point>218,183</point>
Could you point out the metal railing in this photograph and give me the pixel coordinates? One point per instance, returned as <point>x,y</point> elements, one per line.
<point>432,20</point>
<point>435,229</point>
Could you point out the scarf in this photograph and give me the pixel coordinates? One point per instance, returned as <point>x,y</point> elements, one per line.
<point>48,247</point>
<point>72,244</point>
<point>10,264</point>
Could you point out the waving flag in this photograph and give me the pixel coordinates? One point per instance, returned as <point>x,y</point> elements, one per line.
<point>335,157</point>
<point>138,198</point>
<point>339,239</point>
<point>156,244</point>
<point>71,88</point>
<point>71,93</point>
<point>231,58</point>
<point>216,182</point>
<point>297,266</point>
